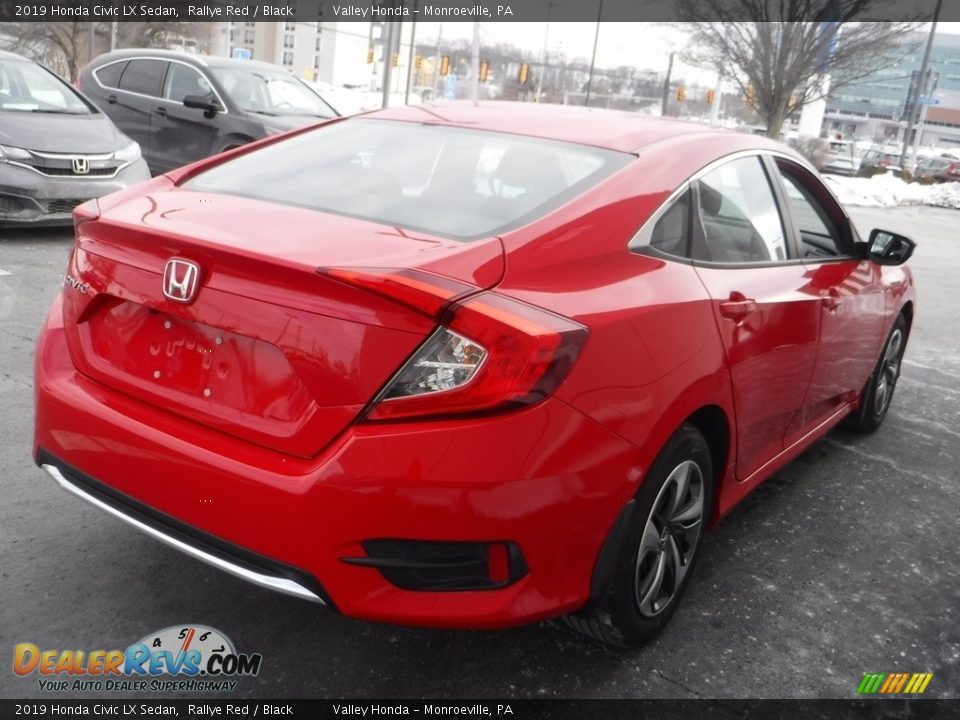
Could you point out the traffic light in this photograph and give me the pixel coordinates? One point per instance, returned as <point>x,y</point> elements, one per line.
<point>751,96</point>
<point>484,71</point>
<point>524,72</point>
<point>418,61</point>
<point>445,65</point>
<point>681,93</point>
<point>369,56</point>
<point>710,97</point>
<point>396,59</point>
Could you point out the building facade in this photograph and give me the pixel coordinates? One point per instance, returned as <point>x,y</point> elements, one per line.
<point>872,110</point>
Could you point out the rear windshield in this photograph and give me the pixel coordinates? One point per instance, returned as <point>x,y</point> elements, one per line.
<point>451,182</point>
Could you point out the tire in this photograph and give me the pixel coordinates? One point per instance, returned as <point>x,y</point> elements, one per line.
<point>656,559</point>
<point>877,394</point>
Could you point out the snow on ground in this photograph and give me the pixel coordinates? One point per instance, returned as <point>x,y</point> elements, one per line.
<point>887,190</point>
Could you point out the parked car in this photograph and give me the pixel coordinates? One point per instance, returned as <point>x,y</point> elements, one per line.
<point>56,149</point>
<point>879,159</point>
<point>941,169</point>
<point>465,365</point>
<point>841,158</point>
<point>182,107</point>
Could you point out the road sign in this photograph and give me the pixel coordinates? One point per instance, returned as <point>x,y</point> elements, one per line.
<point>242,53</point>
<point>928,101</point>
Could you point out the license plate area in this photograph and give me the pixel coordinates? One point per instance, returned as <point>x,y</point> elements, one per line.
<point>182,362</point>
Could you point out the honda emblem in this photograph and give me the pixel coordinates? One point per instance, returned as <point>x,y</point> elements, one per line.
<point>81,166</point>
<point>180,280</point>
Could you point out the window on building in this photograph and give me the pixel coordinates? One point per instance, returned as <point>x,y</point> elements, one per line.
<point>288,58</point>
<point>290,26</point>
<point>288,41</point>
<point>248,36</point>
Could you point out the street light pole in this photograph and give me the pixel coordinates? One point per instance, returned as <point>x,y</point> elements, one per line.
<point>922,79</point>
<point>475,64</point>
<point>666,88</point>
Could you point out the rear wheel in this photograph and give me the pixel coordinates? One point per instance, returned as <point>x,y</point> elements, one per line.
<point>661,546</point>
<point>876,396</point>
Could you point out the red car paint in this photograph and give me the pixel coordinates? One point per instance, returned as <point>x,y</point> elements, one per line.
<point>286,456</point>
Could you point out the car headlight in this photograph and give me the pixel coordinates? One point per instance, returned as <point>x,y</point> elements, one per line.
<point>13,153</point>
<point>128,154</point>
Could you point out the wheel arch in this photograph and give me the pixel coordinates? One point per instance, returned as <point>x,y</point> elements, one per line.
<point>715,426</point>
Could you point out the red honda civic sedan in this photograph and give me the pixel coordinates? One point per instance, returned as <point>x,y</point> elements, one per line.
<point>465,365</point>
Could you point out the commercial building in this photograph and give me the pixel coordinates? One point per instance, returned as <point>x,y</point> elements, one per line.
<point>872,110</point>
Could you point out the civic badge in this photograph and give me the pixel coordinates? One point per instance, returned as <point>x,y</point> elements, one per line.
<point>180,280</point>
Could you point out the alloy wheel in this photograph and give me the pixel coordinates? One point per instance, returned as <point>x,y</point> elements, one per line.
<point>889,371</point>
<point>670,539</point>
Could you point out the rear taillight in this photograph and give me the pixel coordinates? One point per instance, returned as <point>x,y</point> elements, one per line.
<point>489,352</point>
<point>954,168</point>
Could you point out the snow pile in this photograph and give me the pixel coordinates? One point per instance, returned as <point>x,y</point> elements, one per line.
<point>888,190</point>
<point>946,195</point>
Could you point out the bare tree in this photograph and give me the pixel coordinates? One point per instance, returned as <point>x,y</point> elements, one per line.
<point>780,60</point>
<point>65,47</point>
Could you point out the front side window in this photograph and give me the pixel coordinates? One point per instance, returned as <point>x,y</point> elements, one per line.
<point>739,216</point>
<point>452,182</point>
<point>819,233</point>
<point>182,80</point>
<point>270,92</point>
<point>27,87</point>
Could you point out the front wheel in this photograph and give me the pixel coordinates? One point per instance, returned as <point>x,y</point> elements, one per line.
<point>876,396</point>
<point>661,546</point>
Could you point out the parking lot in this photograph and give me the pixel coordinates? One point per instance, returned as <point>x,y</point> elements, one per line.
<point>843,563</point>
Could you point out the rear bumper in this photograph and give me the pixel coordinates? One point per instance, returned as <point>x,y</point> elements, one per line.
<point>29,198</point>
<point>547,480</point>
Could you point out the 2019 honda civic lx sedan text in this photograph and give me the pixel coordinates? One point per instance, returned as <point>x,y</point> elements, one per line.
<point>465,365</point>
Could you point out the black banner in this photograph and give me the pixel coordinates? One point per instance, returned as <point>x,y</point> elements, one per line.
<point>505,709</point>
<point>457,10</point>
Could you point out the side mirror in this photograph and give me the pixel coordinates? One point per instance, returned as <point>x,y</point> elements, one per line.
<point>887,248</point>
<point>199,102</point>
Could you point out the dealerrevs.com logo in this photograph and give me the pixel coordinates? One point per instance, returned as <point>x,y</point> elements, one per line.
<point>184,658</point>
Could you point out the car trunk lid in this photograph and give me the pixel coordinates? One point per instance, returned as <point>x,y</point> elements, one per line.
<point>269,350</point>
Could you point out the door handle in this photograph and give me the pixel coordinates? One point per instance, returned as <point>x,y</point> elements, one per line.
<point>738,306</point>
<point>111,99</point>
<point>161,111</point>
<point>831,299</point>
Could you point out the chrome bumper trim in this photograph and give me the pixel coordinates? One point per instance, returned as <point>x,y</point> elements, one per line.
<point>271,582</point>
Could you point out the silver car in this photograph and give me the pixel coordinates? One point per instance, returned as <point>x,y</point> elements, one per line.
<point>57,149</point>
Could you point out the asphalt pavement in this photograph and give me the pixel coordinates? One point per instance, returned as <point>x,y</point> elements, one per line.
<point>845,562</point>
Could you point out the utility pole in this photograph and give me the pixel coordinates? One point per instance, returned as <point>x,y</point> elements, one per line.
<point>392,28</point>
<point>92,39</point>
<point>666,87</point>
<point>475,64</point>
<point>543,58</point>
<point>411,58</point>
<point>436,63</point>
<point>715,107</point>
<point>593,57</point>
<point>921,87</point>
<point>113,35</point>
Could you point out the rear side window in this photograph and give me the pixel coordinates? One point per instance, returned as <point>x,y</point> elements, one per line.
<point>739,216</point>
<point>671,232</point>
<point>452,182</point>
<point>143,77</point>
<point>109,75</point>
